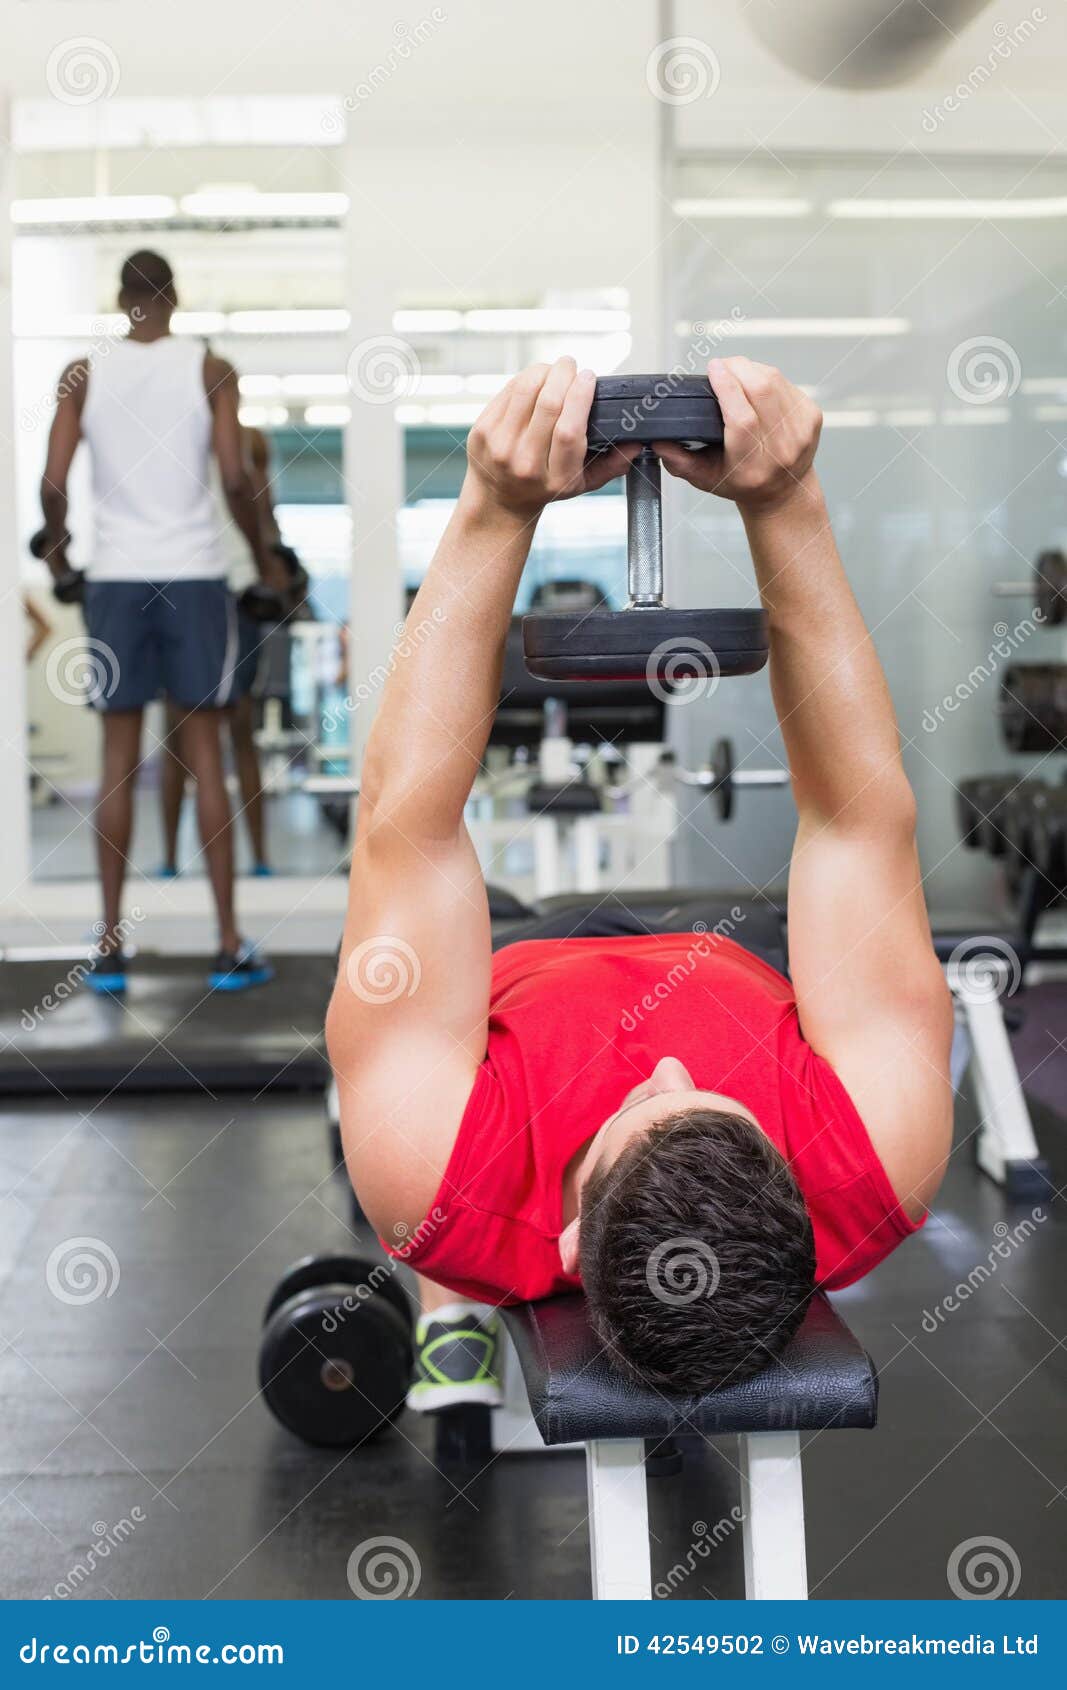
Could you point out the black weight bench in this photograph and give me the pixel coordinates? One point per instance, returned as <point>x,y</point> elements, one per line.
<point>823,1380</point>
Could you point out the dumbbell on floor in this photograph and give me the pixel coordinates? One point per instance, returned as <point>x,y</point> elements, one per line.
<point>336,1354</point>
<point>648,641</point>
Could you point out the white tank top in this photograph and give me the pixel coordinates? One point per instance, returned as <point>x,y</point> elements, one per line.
<point>147,422</point>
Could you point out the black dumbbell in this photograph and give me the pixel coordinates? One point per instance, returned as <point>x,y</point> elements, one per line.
<point>1032,707</point>
<point>721,779</point>
<point>1049,839</point>
<point>648,641</point>
<point>974,797</point>
<point>336,1354</point>
<point>1018,812</point>
<point>68,585</point>
<point>261,603</point>
<point>1047,587</point>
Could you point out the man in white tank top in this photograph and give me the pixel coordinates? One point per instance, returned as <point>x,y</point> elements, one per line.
<point>153,409</point>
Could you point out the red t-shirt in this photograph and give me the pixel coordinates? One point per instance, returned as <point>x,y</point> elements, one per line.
<point>574,1024</point>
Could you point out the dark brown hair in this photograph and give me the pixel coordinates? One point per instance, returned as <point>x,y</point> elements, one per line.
<point>697,1254</point>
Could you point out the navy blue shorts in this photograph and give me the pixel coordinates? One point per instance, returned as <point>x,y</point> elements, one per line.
<point>148,637</point>
<point>250,638</point>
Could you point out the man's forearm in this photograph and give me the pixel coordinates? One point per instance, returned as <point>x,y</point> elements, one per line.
<point>829,688</point>
<point>54,508</point>
<point>441,695</point>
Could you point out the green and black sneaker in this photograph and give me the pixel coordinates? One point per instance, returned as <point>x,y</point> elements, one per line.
<point>457,1358</point>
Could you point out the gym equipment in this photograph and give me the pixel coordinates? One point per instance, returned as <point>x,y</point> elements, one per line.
<point>1033,707</point>
<point>261,603</point>
<point>982,803</point>
<point>336,1354</point>
<point>721,779</point>
<point>69,585</point>
<point>1047,587</point>
<point>1048,824</point>
<point>171,1036</point>
<point>823,1381</point>
<point>1018,813</point>
<point>647,641</point>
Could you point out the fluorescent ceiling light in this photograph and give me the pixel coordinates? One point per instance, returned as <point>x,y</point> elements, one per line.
<point>486,385</point>
<point>103,208</point>
<point>427,322</point>
<point>797,328</point>
<point>967,210</point>
<point>322,386</point>
<point>1044,384</point>
<point>327,416</point>
<point>1051,413</point>
<point>198,322</point>
<point>287,322</point>
<point>408,416</point>
<point>263,416</point>
<point>915,418</point>
<point>80,326</point>
<point>549,320</point>
<point>431,386</point>
<point>742,208</point>
<point>849,419</point>
<point>260,387</point>
<point>976,416</point>
<point>248,203</point>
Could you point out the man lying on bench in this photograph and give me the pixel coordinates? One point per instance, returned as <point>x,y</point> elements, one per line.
<point>517,1124</point>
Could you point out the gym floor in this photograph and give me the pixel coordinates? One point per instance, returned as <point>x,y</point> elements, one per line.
<point>134,1420</point>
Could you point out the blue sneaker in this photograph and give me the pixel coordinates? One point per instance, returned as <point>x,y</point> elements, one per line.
<point>236,971</point>
<point>166,871</point>
<point>106,975</point>
<point>262,871</point>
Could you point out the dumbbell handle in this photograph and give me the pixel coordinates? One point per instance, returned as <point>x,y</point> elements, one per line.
<point>644,531</point>
<point>709,780</point>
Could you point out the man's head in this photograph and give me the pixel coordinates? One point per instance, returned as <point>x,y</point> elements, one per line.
<point>146,287</point>
<point>695,1248</point>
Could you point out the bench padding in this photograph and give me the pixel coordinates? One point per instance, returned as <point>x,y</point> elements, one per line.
<point>824,1378</point>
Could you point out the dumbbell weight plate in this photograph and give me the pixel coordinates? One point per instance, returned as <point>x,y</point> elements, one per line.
<point>332,1373</point>
<point>645,408</point>
<point>1050,587</point>
<point>722,767</point>
<point>662,645</point>
<point>1033,707</point>
<point>973,796</point>
<point>358,1273</point>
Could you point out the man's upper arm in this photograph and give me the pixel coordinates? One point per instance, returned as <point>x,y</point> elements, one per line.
<point>871,994</point>
<point>223,393</point>
<point>408,1020</point>
<point>66,431</point>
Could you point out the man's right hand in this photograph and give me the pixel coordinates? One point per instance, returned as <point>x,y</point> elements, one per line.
<point>528,446</point>
<point>771,432</point>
